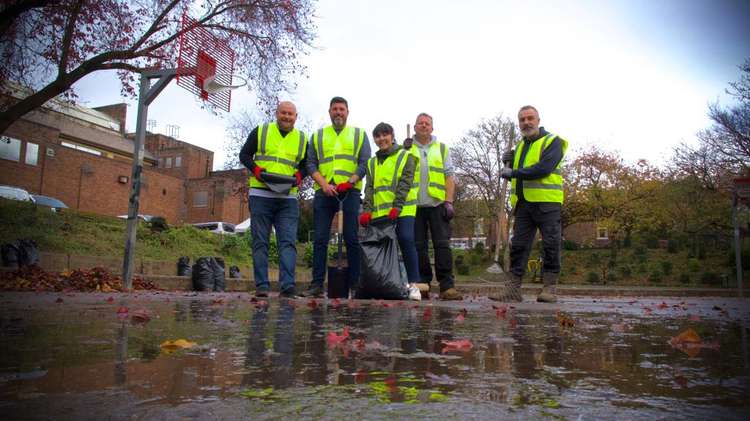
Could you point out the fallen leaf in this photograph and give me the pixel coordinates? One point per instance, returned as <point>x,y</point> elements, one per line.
<point>690,343</point>
<point>312,304</point>
<point>694,317</point>
<point>140,316</point>
<point>360,376</point>
<point>460,345</point>
<point>110,299</point>
<point>460,318</point>
<point>335,339</point>
<point>427,315</point>
<point>335,303</point>
<point>171,346</point>
<point>122,310</point>
<point>662,306</point>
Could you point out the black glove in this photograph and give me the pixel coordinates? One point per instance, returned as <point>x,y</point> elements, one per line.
<point>506,173</point>
<point>508,156</point>
<point>449,212</point>
<point>407,142</point>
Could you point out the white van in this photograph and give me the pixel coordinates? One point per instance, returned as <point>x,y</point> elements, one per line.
<point>216,227</point>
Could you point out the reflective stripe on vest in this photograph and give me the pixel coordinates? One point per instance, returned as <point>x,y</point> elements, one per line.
<point>278,154</point>
<point>436,154</point>
<point>338,153</point>
<point>385,177</point>
<point>545,189</point>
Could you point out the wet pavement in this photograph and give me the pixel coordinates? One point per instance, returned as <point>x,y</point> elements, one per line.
<point>105,356</point>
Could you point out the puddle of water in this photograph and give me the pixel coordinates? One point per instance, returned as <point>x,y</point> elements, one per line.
<point>584,359</point>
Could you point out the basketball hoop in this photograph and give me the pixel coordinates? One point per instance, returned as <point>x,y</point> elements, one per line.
<point>213,86</point>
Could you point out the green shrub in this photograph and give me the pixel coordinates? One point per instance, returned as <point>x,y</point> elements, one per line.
<point>458,260</point>
<point>672,247</point>
<point>710,278</point>
<point>693,265</point>
<point>626,271</point>
<point>475,259</point>
<point>666,267</point>
<point>570,245</point>
<point>307,256</point>
<point>655,276</point>
<point>652,242</point>
<point>612,277</point>
<point>594,259</point>
<point>627,242</point>
<point>158,224</point>
<point>479,248</point>
<point>639,250</point>
<point>641,268</point>
<point>462,269</point>
<point>684,278</point>
<point>592,277</point>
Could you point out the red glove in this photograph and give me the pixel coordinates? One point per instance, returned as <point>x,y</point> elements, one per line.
<point>258,169</point>
<point>364,218</point>
<point>393,214</point>
<point>344,187</point>
<point>298,175</point>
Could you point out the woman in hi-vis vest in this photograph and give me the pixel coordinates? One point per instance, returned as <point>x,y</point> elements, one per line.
<point>390,193</point>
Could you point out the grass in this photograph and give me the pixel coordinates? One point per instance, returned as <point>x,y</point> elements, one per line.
<point>89,234</point>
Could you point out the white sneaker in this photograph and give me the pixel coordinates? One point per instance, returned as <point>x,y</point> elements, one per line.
<point>414,293</point>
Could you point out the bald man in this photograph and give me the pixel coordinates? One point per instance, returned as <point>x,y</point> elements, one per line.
<point>275,149</point>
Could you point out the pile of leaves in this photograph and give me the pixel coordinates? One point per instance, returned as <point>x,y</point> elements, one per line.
<point>98,279</point>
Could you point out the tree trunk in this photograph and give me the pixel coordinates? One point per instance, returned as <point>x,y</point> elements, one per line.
<point>32,102</point>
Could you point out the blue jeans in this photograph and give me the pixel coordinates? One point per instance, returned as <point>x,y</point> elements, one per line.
<point>324,209</point>
<point>405,233</point>
<point>283,215</point>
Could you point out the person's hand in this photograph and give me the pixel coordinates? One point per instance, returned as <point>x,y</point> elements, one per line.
<point>393,214</point>
<point>506,173</point>
<point>449,212</point>
<point>328,189</point>
<point>344,187</point>
<point>298,176</point>
<point>508,156</point>
<point>258,169</point>
<point>364,218</point>
<point>407,142</point>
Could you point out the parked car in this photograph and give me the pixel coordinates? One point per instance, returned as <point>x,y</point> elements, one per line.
<point>142,217</point>
<point>15,193</point>
<point>49,202</point>
<point>216,227</point>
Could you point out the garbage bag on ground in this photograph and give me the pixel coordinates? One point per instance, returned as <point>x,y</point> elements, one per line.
<point>218,266</point>
<point>183,266</point>
<point>234,272</point>
<point>20,253</point>
<point>10,255</point>
<point>380,277</point>
<point>203,274</point>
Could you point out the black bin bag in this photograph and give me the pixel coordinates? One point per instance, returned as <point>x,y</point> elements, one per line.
<point>183,266</point>
<point>218,266</point>
<point>380,277</point>
<point>203,274</point>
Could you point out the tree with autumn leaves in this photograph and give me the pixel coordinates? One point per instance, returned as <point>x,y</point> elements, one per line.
<point>47,46</point>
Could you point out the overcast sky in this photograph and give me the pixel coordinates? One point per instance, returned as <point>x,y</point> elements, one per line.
<point>634,76</point>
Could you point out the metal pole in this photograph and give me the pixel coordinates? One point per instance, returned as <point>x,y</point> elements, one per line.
<point>737,244</point>
<point>135,183</point>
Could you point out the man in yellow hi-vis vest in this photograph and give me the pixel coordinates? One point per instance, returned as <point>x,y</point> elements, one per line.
<point>434,176</point>
<point>537,197</point>
<point>337,160</point>
<point>275,150</point>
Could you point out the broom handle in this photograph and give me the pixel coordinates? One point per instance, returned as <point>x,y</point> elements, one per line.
<point>341,231</point>
<point>408,130</point>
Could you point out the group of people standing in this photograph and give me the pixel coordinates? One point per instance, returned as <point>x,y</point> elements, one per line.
<point>411,185</point>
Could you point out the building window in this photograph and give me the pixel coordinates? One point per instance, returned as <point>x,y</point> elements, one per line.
<point>10,148</point>
<point>32,153</point>
<point>178,161</point>
<point>602,233</point>
<point>168,162</point>
<point>81,148</point>
<point>200,199</point>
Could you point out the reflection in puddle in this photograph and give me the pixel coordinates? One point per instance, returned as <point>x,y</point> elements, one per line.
<point>281,357</point>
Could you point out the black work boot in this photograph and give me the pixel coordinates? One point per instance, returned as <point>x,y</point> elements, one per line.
<point>314,291</point>
<point>510,291</point>
<point>548,290</point>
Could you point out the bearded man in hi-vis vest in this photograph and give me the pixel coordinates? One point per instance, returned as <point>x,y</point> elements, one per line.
<point>337,160</point>
<point>536,197</point>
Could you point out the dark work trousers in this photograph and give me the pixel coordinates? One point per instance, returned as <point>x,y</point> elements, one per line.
<point>433,220</point>
<point>528,218</point>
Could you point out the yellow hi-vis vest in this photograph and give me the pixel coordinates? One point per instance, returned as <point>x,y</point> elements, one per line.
<point>385,177</point>
<point>546,189</point>
<point>436,154</point>
<point>278,154</point>
<point>338,153</point>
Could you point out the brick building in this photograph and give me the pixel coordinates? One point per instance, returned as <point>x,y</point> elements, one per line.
<point>83,157</point>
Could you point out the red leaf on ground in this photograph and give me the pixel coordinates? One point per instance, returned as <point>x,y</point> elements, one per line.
<point>389,305</point>
<point>460,345</point>
<point>335,339</point>
<point>647,310</point>
<point>352,304</point>
<point>123,310</point>
<point>662,306</point>
<point>335,303</point>
<point>140,316</point>
<point>460,318</point>
<point>217,301</point>
<point>694,317</point>
<point>312,304</point>
<point>632,302</point>
<point>359,344</point>
<point>690,343</point>
<point>427,315</point>
<point>513,323</point>
<point>501,313</point>
<point>360,376</point>
<point>110,299</point>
